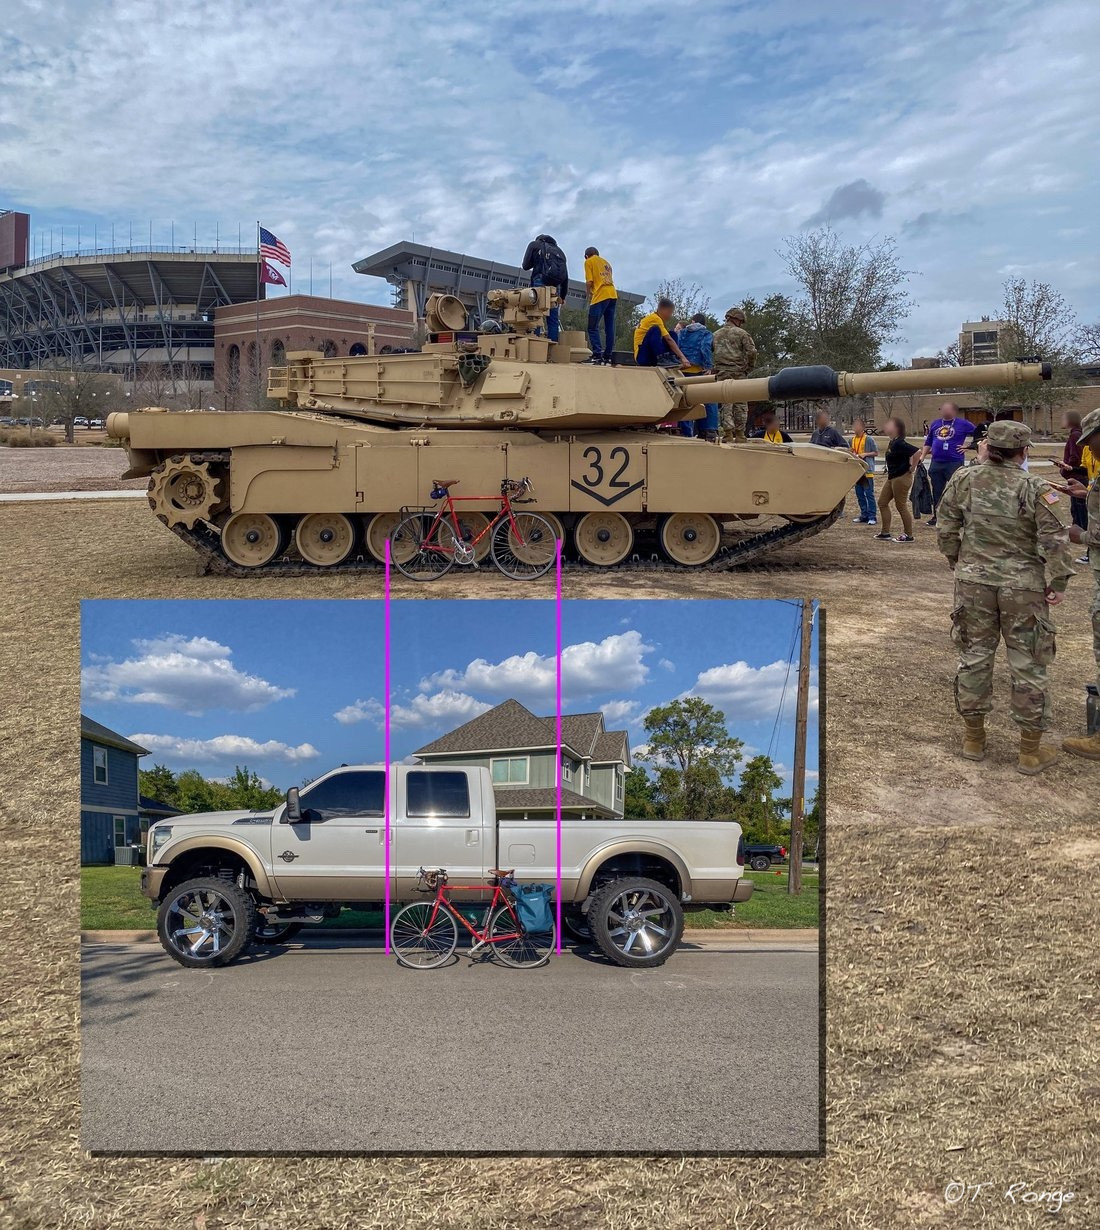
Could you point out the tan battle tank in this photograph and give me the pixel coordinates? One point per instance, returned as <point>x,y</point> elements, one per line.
<point>321,485</point>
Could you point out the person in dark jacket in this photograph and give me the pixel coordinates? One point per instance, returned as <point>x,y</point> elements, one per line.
<point>697,343</point>
<point>1072,466</point>
<point>547,265</point>
<point>825,433</point>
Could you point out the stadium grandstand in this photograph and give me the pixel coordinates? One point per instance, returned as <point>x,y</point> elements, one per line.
<point>121,308</point>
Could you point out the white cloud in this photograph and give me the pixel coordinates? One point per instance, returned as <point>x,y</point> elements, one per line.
<point>589,668</point>
<point>191,674</point>
<point>360,711</point>
<point>239,748</point>
<point>619,711</point>
<point>666,665</point>
<point>444,710</point>
<point>749,693</point>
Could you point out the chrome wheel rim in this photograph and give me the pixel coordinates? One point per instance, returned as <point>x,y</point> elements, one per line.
<point>640,922</point>
<point>200,923</point>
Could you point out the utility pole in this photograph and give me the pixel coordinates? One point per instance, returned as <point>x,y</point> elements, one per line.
<point>798,784</point>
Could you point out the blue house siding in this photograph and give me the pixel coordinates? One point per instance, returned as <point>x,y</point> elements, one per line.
<point>100,802</point>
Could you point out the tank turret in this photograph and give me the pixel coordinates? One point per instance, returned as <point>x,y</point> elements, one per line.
<point>321,483</point>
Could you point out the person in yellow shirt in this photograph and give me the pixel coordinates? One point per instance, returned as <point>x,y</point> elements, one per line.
<point>603,299</point>
<point>654,346</point>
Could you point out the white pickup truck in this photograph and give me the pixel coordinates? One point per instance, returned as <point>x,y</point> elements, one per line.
<point>226,879</point>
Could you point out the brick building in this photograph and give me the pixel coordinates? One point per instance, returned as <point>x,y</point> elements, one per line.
<point>296,322</point>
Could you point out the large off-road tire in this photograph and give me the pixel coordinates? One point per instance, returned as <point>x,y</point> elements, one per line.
<point>206,922</point>
<point>636,923</point>
<point>574,922</point>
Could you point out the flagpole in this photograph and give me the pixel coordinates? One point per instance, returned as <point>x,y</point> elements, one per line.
<point>256,374</point>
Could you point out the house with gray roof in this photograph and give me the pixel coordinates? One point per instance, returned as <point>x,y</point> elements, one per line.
<point>520,748</point>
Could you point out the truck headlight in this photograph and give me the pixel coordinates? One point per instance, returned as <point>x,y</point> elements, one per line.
<point>158,837</point>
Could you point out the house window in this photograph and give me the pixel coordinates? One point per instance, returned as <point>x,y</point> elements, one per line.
<point>120,831</point>
<point>618,785</point>
<point>587,775</point>
<point>432,795</point>
<point>99,765</point>
<point>510,771</point>
<point>566,769</point>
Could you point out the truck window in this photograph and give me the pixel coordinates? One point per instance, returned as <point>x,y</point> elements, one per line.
<point>347,794</point>
<point>434,795</point>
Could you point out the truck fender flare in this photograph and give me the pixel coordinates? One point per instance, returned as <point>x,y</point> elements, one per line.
<point>264,885</point>
<point>630,845</point>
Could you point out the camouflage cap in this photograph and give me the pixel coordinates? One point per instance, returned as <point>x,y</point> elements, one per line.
<point>1090,425</point>
<point>735,313</point>
<point>1008,435</point>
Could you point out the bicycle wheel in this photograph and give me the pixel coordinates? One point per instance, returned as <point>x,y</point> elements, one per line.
<point>516,947</point>
<point>524,550</point>
<point>419,551</point>
<point>421,941</point>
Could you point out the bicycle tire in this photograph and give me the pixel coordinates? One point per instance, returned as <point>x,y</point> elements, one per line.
<point>529,950</point>
<point>415,560</point>
<point>421,942</point>
<point>529,556</point>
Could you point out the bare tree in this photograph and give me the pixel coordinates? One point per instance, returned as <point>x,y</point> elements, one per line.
<point>80,391</point>
<point>958,354</point>
<point>853,299</point>
<point>687,298</point>
<point>179,386</point>
<point>1087,343</point>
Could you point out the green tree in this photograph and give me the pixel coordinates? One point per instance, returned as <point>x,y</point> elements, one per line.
<point>759,811</point>
<point>639,795</point>
<point>247,790</point>
<point>694,754</point>
<point>158,783</point>
<point>687,298</point>
<point>775,327</point>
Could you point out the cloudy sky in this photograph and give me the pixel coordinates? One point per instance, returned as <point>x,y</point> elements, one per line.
<point>293,689</point>
<point>683,140</point>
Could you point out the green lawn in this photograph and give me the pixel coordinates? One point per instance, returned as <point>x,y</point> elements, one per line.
<point>111,900</point>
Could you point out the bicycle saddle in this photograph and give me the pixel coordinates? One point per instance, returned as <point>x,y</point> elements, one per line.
<point>445,482</point>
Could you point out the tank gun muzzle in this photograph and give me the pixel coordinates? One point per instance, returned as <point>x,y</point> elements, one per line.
<point>819,382</point>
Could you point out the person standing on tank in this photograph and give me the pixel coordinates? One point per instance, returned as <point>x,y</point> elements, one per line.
<point>734,358</point>
<point>603,299</point>
<point>548,267</point>
<point>1089,745</point>
<point>944,443</point>
<point>1010,554</point>
<point>697,343</point>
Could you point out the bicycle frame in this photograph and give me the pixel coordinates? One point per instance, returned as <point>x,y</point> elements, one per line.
<point>500,897</point>
<point>449,514</point>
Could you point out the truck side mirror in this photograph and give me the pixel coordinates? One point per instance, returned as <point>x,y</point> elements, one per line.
<point>293,806</point>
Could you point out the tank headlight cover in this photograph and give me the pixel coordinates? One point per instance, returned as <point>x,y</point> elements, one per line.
<point>158,837</point>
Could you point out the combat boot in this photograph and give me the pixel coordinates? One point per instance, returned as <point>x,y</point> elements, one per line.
<point>1033,757</point>
<point>1088,746</point>
<point>973,747</point>
<point>712,437</point>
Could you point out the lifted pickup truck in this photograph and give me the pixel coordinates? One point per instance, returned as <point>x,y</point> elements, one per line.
<point>226,879</point>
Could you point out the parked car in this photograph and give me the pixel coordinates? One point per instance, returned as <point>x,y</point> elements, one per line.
<point>80,421</point>
<point>760,857</point>
<point>95,424</point>
<point>223,880</point>
<point>7,421</point>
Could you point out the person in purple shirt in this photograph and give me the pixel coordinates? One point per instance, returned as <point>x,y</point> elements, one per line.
<point>944,443</point>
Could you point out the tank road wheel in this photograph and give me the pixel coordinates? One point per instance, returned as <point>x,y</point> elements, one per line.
<point>690,538</point>
<point>183,490</point>
<point>379,528</point>
<point>252,539</point>
<point>524,551</point>
<point>603,538</point>
<point>325,539</point>
<point>471,524</point>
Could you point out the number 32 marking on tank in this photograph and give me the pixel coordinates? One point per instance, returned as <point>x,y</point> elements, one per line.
<point>607,474</point>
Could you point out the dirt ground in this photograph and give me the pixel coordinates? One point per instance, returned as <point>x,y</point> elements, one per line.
<point>960,915</point>
<point>77,467</point>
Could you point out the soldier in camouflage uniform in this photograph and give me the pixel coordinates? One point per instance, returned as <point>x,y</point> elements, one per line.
<point>1010,554</point>
<point>1089,745</point>
<point>734,357</point>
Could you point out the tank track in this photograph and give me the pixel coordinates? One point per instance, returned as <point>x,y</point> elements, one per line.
<point>204,540</point>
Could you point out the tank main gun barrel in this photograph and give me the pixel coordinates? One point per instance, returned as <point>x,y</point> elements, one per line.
<point>799,383</point>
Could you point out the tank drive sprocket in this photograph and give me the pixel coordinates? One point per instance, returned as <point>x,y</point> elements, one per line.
<point>187,489</point>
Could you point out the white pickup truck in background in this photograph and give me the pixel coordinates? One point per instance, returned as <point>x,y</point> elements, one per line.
<point>223,880</point>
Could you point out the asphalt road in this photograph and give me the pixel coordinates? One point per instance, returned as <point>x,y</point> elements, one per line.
<point>340,1049</point>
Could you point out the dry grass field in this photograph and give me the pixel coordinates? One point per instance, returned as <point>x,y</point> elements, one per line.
<point>961,917</point>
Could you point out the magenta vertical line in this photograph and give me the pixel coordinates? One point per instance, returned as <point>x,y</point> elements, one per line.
<point>386,687</point>
<point>557,719</point>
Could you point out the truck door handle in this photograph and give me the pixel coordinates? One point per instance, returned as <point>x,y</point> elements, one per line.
<point>370,830</point>
<point>473,836</point>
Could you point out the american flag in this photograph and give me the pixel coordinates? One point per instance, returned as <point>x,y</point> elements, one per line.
<point>274,249</point>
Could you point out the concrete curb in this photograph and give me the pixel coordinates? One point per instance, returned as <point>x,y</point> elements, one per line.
<point>703,936</point>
